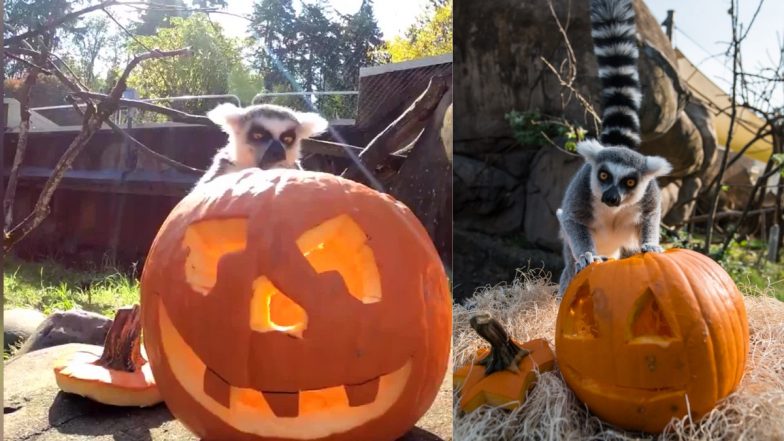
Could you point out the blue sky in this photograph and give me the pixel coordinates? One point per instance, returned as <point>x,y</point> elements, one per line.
<point>703,30</point>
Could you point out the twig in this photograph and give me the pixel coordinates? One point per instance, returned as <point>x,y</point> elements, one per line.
<point>176,115</point>
<point>94,117</point>
<point>21,143</point>
<point>733,114</point>
<point>571,61</point>
<point>54,23</point>
<point>124,29</point>
<point>29,64</point>
<point>140,145</point>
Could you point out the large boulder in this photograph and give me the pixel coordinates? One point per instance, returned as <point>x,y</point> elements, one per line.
<point>551,172</point>
<point>499,67</point>
<point>487,198</point>
<point>63,327</point>
<point>483,259</point>
<point>681,145</point>
<point>19,324</point>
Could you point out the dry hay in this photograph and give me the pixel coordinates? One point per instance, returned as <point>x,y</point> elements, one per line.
<point>528,308</point>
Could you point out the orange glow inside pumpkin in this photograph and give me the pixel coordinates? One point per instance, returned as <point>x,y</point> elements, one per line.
<point>271,310</point>
<point>208,241</point>
<point>583,323</point>
<point>648,322</point>
<point>320,412</point>
<point>339,244</point>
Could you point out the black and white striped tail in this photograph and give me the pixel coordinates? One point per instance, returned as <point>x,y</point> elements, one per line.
<point>615,45</point>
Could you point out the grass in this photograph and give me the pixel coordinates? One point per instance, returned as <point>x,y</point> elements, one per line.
<point>48,286</point>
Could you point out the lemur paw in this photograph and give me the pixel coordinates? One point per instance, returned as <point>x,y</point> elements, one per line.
<point>651,248</point>
<point>586,259</point>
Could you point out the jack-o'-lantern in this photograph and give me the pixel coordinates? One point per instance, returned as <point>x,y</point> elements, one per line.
<point>285,304</point>
<point>652,337</point>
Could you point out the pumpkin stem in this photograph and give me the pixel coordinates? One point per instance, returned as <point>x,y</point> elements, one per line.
<point>504,353</point>
<point>122,348</point>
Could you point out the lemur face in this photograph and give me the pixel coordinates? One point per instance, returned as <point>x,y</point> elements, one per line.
<point>619,175</point>
<point>265,135</point>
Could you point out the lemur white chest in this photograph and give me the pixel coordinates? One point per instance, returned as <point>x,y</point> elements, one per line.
<point>615,228</point>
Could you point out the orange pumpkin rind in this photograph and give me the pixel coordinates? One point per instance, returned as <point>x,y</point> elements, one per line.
<point>116,374</point>
<point>652,337</point>
<point>485,382</point>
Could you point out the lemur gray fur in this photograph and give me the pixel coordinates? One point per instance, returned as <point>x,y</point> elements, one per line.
<point>612,206</point>
<point>264,136</point>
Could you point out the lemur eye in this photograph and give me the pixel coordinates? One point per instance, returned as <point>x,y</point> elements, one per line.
<point>603,175</point>
<point>288,139</point>
<point>257,135</point>
<point>631,182</point>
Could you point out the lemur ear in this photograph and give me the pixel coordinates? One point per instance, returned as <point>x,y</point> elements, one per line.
<point>226,115</point>
<point>589,149</point>
<point>657,166</point>
<point>311,124</point>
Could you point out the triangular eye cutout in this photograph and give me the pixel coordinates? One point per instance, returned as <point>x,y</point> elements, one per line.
<point>582,322</point>
<point>648,319</point>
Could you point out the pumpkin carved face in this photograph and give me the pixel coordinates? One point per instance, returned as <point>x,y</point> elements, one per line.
<point>295,305</point>
<point>637,338</point>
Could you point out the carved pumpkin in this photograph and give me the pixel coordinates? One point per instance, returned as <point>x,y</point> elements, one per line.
<point>285,304</point>
<point>642,340</point>
<point>502,375</point>
<point>116,374</point>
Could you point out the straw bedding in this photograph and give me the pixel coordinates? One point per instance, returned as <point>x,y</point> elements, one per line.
<point>528,309</point>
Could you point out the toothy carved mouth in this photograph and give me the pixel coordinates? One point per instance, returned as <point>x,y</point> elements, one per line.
<point>319,413</point>
<point>288,404</point>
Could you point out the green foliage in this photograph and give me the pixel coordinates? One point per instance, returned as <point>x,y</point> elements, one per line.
<point>312,50</point>
<point>245,84</point>
<point>745,261</point>
<point>532,129</point>
<point>430,35</point>
<point>215,56</point>
<point>49,286</point>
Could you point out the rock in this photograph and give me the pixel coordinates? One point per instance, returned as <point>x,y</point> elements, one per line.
<point>551,171</point>
<point>703,121</point>
<point>19,324</point>
<point>74,326</point>
<point>482,259</point>
<point>684,203</point>
<point>681,145</point>
<point>499,67</point>
<point>36,409</point>
<point>487,198</point>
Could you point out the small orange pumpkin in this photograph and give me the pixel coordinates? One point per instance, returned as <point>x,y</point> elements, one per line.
<point>285,304</point>
<point>642,340</point>
<point>502,375</point>
<point>117,373</point>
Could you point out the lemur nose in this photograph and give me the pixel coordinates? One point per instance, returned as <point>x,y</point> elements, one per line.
<point>274,153</point>
<point>611,198</point>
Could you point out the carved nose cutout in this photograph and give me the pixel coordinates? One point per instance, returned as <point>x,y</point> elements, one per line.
<point>648,323</point>
<point>207,241</point>
<point>271,310</point>
<point>339,244</point>
<point>583,322</point>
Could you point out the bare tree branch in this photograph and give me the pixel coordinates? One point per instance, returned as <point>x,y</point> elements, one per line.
<point>176,115</point>
<point>57,22</point>
<point>94,117</point>
<point>21,143</point>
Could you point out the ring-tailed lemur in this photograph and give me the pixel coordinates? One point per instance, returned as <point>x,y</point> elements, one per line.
<point>612,206</point>
<point>264,136</point>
